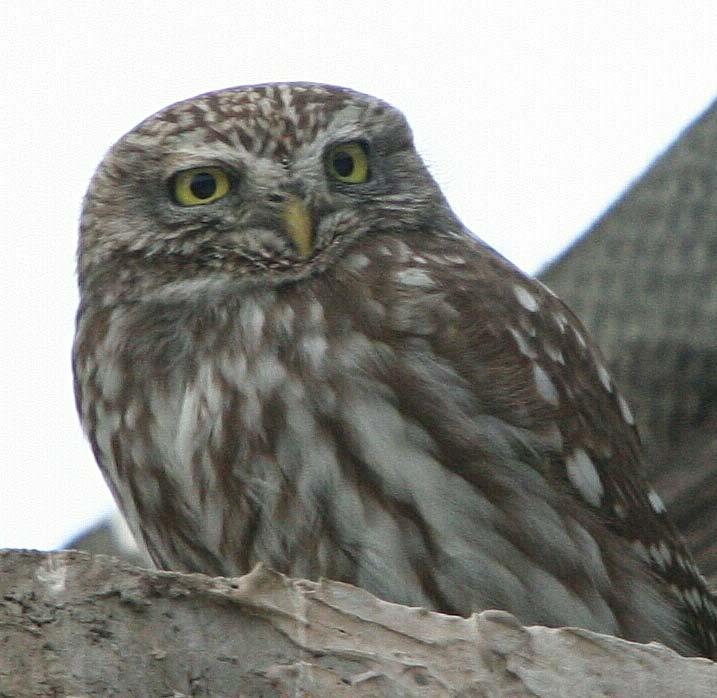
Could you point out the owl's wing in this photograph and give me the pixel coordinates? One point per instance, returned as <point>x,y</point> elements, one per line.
<point>494,366</point>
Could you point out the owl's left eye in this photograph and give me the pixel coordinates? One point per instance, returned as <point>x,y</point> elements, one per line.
<point>348,162</point>
<point>200,185</point>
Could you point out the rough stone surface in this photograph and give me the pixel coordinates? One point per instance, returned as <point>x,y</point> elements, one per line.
<point>72,624</point>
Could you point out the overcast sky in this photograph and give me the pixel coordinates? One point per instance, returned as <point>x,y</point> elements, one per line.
<point>532,116</point>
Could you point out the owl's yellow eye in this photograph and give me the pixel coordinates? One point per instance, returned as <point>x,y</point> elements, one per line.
<point>348,163</point>
<point>200,185</point>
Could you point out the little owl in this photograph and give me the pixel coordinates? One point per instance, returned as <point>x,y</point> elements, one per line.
<point>290,350</point>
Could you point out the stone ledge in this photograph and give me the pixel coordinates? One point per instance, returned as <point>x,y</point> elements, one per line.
<point>73,624</point>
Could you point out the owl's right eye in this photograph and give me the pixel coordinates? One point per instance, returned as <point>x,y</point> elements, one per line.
<point>348,163</point>
<point>200,185</point>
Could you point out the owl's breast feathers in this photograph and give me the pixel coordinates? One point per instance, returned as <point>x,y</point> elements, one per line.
<point>420,420</point>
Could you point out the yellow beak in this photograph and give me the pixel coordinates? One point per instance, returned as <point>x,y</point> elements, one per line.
<point>298,225</point>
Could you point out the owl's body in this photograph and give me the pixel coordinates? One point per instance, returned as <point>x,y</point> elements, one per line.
<point>316,366</point>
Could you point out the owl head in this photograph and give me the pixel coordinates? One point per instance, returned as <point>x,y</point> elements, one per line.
<point>267,182</point>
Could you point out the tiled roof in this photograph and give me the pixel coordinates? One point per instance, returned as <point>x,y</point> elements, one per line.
<point>643,279</point>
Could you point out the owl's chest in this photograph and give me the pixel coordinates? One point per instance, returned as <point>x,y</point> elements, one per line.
<point>291,419</point>
<point>224,379</point>
<point>203,410</point>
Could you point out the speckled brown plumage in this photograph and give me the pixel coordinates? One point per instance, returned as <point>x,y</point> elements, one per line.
<point>399,408</point>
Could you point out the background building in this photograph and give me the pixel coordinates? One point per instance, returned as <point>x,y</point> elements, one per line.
<point>643,279</point>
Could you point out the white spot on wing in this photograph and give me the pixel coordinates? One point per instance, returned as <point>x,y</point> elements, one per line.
<point>656,555</point>
<point>625,410</point>
<point>560,321</point>
<point>404,252</point>
<point>694,597</point>
<point>436,258</point>
<point>523,346</point>
<point>553,437</point>
<point>578,335</point>
<point>554,353</point>
<point>546,388</point>
<point>584,476</point>
<point>641,550</point>
<point>414,277</point>
<point>525,298</point>
<point>665,552</point>
<point>656,502</point>
<point>604,377</point>
<point>356,262</point>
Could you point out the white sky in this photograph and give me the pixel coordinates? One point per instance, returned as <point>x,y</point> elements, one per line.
<point>532,116</point>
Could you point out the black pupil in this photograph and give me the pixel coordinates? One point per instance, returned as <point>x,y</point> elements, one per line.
<point>343,164</point>
<point>203,185</point>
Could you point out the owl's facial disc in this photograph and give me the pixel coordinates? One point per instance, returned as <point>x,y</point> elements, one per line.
<point>253,182</point>
<point>275,211</point>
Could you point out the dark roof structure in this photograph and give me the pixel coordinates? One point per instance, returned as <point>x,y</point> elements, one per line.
<point>643,279</point>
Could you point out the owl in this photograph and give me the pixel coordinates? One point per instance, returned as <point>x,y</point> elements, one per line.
<point>290,350</point>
